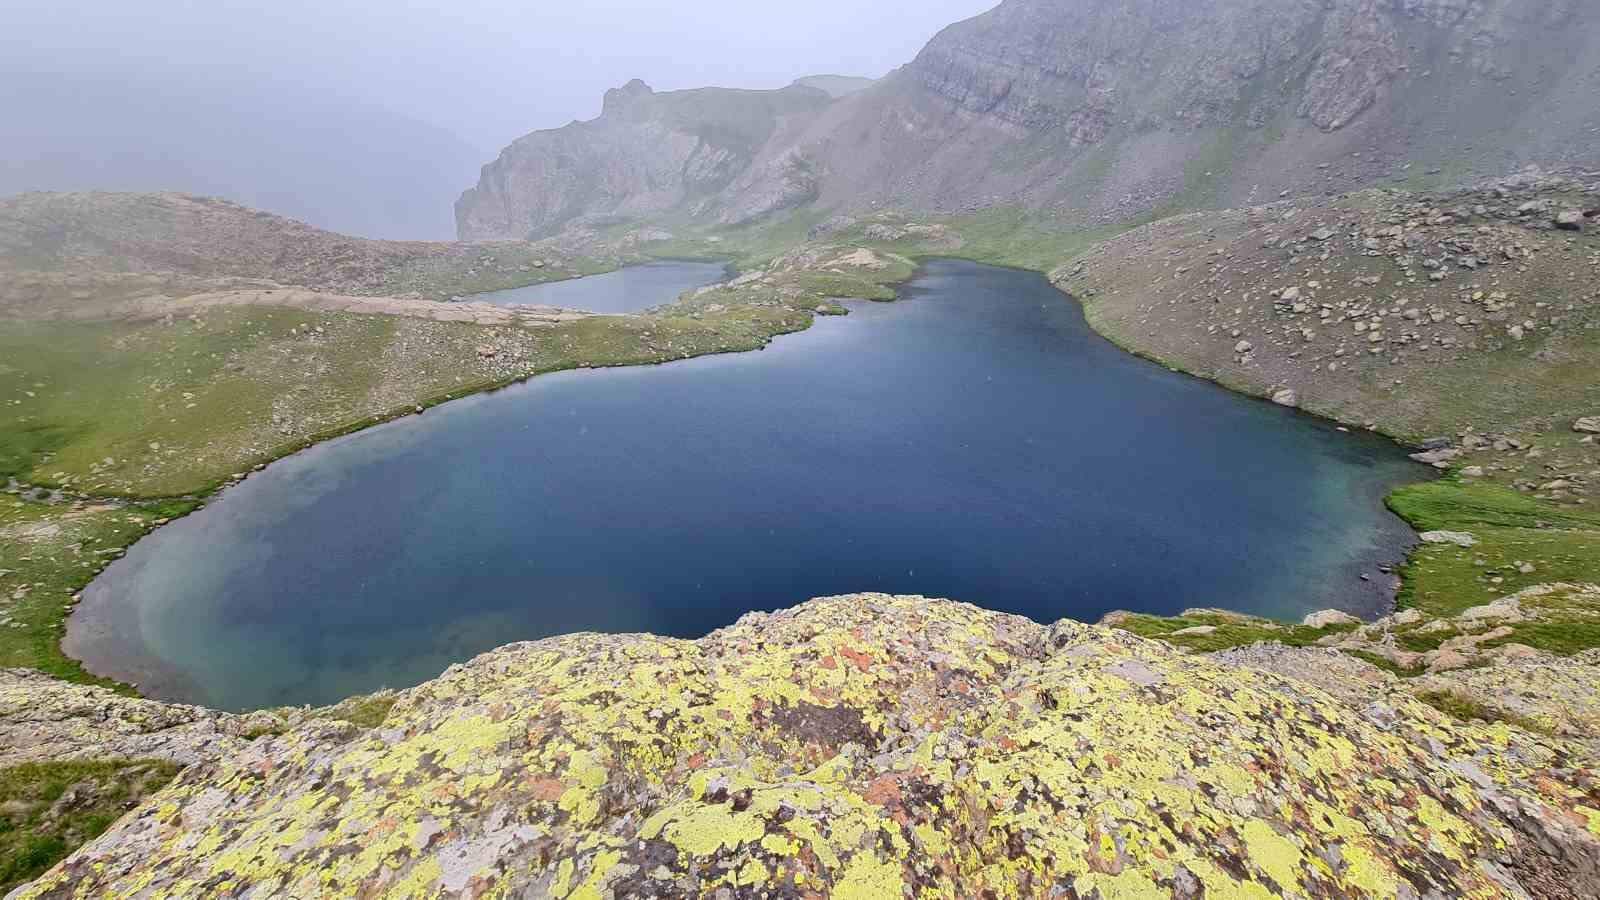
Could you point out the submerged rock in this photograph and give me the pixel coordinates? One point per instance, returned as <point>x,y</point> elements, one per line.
<point>869,746</point>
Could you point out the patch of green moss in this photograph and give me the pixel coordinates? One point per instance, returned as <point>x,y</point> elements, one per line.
<point>1448,504</point>
<point>1467,709</point>
<point>1424,641</point>
<point>1384,663</point>
<point>366,712</point>
<point>49,809</point>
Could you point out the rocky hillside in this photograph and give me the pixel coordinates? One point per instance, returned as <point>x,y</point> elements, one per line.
<point>194,238</point>
<point>647,155</point>
<point>1092,111</point>
<point>1425,314</point>
<point>873,746</point>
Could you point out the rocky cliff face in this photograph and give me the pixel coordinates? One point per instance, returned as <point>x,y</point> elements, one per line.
<point>874,746</point>
<point>1108,111</point>
<point>647,155</point>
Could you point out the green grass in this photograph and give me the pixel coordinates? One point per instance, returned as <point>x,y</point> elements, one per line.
<point>1448,504</point>
<point>367,712</point>
<point>1562,543</point>
<point>1230,632</point>
<point>40,824</point>
<point>1467,709</point>
<point>158,412</point>
<point>828,284</point>
<point>1001,236</point>
<point>49,553</point>
<point>1563,638</point>
<point>1424,641</point>
<point>1007,236</point>
<point>109,390</point>
<point>1386,664</point>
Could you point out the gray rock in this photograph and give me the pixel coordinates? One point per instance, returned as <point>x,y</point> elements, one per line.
<point>1459,538</point>
<point>880,232</point>
<point>1570,220</point>
<point>1587,425</point>
<point>1328,618</point>
<point>1434,457</point>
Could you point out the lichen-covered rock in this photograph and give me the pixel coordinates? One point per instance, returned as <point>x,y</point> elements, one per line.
<point>862,747</point>
<point>1559,695</point>
<point>43,719</point>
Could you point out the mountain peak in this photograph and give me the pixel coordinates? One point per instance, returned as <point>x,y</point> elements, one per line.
<point>622,97</point>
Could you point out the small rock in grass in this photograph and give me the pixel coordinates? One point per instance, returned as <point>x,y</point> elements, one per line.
<point>1459,538</point>
<point>1432,457</point>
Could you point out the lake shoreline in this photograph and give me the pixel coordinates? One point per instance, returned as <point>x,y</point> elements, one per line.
<point>901,292</point>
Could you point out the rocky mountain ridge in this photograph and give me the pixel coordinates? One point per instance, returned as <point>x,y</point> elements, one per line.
<point>1087,112</point>
<point>647,155</point>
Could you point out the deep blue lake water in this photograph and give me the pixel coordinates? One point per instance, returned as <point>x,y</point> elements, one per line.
<point>624,291</point>
<point>973,440</point>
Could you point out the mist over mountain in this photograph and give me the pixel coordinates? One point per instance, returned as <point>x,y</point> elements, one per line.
<point>344,165</point>
<point>1099,112</point>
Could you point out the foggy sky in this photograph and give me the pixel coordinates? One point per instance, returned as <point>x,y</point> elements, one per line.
<point>371,116</point>
<point>485,70</point>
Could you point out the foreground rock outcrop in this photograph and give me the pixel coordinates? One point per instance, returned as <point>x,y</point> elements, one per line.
<point>869,746</point>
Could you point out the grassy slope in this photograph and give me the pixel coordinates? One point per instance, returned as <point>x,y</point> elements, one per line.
<point>48,554</point>
<point>48,809</point>
<point>163,411</point>
<point>1561,544</point>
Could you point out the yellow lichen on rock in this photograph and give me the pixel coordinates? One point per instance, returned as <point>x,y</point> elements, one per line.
<point>861,747</point>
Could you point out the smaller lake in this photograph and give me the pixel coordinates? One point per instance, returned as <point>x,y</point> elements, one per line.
<point>973,440</point>
<point>627,290</point>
